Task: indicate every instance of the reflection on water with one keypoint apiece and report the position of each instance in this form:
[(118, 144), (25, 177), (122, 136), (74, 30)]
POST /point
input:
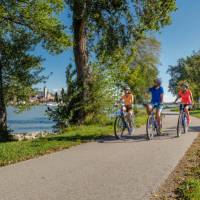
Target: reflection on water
[(32, 120)]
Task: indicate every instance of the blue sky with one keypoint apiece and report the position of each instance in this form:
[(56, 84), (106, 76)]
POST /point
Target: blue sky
[(177, 40), (181, 38)]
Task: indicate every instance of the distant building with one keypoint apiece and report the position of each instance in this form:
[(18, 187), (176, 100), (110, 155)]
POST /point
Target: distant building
[(43, 96)]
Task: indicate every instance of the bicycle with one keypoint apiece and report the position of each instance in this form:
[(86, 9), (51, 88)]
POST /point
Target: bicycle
[(182, 125), (152, 127), (121, 123)]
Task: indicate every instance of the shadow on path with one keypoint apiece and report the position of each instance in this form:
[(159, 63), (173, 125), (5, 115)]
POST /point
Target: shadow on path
[(194, 128), (168, 133)]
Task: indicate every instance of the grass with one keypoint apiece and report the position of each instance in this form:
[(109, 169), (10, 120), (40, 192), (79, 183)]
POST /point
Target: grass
[(190, 189), (195, 113), (141, 118), (12, 152), (175, 109)]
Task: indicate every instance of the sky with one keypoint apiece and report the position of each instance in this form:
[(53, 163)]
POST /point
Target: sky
[(178, 40)]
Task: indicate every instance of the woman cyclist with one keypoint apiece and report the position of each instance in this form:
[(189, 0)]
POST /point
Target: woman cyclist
[(186, 99), (128, 99)]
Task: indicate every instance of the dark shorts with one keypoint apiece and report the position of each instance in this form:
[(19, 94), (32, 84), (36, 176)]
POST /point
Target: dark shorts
[(129, 108), (182, 106), (158, 107)]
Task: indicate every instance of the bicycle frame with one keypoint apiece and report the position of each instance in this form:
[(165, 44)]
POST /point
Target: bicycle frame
[(121, 114), (183, 114), (182, 121), (155, 123), (152, 126)]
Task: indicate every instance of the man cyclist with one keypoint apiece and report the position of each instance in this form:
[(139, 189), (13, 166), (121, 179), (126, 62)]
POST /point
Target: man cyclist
[(186, 99), (128, 100), (157, 94)]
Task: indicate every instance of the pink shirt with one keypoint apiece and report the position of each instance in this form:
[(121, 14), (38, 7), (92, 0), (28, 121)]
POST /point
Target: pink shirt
[(185, 97)]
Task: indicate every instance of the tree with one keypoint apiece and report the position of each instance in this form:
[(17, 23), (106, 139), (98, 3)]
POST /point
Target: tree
[(23, 25), (66, 111), (19, 70), (188, 70), (56, 97), (102, 26), (40, 18), (143, 68), (136, 68)]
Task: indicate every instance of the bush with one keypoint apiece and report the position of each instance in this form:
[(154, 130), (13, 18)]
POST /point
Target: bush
[(100, 119)]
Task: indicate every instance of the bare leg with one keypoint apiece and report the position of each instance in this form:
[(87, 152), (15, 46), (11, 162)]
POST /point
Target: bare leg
[(188, 114), (129, 118), (158, 118), (149, 109)]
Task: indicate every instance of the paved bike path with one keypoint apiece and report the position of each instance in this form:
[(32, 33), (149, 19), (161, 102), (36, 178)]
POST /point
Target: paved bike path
[(108, 169)]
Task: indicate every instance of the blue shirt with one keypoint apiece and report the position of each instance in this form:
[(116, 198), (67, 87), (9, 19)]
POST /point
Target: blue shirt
[(155, 94)]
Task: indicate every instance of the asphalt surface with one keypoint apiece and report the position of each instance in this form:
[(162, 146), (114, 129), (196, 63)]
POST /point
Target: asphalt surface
[(129, 169)]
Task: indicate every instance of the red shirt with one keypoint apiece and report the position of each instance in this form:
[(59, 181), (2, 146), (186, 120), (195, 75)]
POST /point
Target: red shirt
[(185, 96)]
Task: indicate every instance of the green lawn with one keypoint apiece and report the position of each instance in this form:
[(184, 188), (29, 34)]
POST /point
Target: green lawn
[(195, 113), (12, 152), (190, 189)]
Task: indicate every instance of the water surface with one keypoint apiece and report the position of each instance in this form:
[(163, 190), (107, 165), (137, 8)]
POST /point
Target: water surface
[(33, 120)]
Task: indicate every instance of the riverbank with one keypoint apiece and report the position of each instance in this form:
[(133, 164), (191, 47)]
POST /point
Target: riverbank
[(12, 152)]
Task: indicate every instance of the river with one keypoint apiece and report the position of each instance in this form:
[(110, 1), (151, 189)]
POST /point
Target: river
[(33, 120)]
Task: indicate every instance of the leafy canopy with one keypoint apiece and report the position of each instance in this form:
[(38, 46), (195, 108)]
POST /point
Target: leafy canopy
[(114, 23), (40, 18), (188, 70)]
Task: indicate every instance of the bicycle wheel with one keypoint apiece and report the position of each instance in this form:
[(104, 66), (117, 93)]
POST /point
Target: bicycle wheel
[(119, 127), (150, 128), (179, 126), (158, 130), (185, 124)]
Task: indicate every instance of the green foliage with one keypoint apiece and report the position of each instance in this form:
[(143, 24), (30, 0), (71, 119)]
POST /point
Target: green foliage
[(187, 69), (137, 68), (65, 113), (143, 69), (56, 97), (107, 30), (190, 189), (114, 24), (37, 17), (100, 119), (101, 92), (20, 69), (23, 25)]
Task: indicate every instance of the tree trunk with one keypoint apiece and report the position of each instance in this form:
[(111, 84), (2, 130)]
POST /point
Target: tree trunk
[(81, 56), (3, 114)]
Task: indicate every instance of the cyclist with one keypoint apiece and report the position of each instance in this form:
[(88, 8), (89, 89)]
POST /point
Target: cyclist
[(157, 94), (128, 100), (186, 99)]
